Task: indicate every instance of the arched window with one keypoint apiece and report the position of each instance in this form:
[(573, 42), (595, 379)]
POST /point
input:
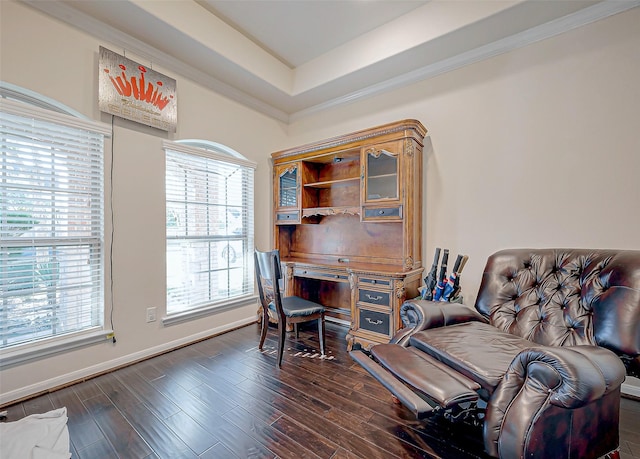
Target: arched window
[(209, 227), (51, 222)]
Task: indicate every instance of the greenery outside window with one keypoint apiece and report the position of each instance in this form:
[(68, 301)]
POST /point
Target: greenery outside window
[(51, 224)]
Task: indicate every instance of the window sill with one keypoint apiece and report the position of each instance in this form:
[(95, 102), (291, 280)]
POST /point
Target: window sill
[(27, 352), (208, 310)]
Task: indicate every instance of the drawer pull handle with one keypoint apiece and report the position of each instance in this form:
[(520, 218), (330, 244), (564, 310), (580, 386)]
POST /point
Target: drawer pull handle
[(373, 322), (381, 212), (373, 298)]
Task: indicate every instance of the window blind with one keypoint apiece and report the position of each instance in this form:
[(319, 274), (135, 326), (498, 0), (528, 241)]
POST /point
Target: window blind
[(51, 224), (209, 228)]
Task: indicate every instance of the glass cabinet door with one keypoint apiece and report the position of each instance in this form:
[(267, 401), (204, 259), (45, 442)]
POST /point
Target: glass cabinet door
[(288, 186), (381, 175)]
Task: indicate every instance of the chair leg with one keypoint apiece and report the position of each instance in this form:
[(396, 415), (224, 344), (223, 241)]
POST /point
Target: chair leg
[(295, 328), (265, 328), (321, 334), (282, 335)]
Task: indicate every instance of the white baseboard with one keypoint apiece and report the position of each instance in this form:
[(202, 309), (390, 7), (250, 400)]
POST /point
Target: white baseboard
[(631, 386), (6, 398), (337, 321)]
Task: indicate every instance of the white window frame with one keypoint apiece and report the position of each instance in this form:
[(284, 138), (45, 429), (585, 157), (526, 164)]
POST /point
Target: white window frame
[(205, 150), (12, 102)]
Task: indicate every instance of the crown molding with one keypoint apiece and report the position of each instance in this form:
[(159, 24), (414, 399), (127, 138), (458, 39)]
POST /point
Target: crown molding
[(122, 40), (117, 38), (550, 29)]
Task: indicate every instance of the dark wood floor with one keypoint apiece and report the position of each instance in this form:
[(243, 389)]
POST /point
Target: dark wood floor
[(222, 398)]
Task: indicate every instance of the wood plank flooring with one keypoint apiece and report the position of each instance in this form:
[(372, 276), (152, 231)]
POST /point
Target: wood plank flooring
[(222, 398)]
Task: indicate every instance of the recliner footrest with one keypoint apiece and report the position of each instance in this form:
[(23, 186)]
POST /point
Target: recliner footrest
[(407, 397), (426, 375)]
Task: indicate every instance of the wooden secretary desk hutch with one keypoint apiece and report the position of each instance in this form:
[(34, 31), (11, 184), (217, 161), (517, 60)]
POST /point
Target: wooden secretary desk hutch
[(348, 224)]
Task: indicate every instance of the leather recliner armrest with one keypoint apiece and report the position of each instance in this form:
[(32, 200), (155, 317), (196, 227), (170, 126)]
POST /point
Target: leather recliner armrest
[(539, 379), (417, 315)]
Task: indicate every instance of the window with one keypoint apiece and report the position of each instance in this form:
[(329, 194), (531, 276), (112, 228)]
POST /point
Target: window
[(209, 210), (51, 224)]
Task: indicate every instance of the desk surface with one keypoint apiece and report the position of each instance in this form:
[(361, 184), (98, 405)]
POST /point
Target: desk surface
[(346, 266), (352, 292)]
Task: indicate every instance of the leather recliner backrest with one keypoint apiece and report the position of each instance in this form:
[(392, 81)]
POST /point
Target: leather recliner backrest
[(565, 297)]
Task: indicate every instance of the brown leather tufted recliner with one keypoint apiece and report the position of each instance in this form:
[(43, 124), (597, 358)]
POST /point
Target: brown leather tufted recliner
[(538, 362)]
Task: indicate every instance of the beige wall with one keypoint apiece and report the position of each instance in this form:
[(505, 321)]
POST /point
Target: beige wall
[(53, 59), (538, 147), (534, 148)]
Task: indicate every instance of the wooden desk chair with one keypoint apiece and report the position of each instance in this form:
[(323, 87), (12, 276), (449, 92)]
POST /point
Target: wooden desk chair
[(289, 309)]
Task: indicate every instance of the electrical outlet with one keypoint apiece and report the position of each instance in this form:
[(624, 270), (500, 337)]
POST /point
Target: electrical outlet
[(151, 314)]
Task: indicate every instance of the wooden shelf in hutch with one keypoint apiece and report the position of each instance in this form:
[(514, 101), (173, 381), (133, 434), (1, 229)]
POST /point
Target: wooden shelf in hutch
[(334, 183)]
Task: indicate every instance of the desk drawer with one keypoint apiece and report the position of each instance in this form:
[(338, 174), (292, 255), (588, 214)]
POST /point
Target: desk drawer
[(382, 213), (287, 218), (377, 282), (314, 274), (374, 321), (374, 297)]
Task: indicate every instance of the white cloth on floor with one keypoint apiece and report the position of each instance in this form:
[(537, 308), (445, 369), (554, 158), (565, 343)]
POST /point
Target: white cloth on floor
[(39, 436)]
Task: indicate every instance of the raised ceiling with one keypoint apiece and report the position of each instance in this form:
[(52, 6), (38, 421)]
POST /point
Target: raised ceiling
[(290, 58)]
